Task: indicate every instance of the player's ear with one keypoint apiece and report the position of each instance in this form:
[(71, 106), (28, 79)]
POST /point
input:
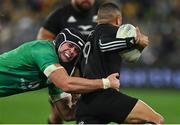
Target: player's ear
[(118, 20)]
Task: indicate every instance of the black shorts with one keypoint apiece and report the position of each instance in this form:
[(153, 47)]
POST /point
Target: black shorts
[(104, 106)]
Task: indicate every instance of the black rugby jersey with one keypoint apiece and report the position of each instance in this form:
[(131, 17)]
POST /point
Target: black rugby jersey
[(67, 16), (101, 56)]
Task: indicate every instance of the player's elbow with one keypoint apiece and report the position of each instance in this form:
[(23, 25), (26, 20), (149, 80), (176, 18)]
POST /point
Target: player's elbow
[(161, 119), (157, 118)]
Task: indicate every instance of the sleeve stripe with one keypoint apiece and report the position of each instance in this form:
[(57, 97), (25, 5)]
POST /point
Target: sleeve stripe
[(118, 44), (113, 42), (51, 69), (114, 48), (114, 45)]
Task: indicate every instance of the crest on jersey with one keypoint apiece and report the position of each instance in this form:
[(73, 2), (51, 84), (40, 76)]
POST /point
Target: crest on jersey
[(85, 27)]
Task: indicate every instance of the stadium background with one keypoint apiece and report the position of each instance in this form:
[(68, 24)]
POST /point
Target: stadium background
[(155, 79)]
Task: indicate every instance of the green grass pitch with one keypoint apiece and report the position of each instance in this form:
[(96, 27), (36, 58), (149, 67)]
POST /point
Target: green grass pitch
[(33, 107)]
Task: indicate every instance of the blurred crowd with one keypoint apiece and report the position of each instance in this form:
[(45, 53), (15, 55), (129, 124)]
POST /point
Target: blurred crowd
[(20, 21), (159, 19)]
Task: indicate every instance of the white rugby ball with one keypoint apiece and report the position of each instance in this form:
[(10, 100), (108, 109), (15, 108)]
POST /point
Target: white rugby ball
[(124, 31)]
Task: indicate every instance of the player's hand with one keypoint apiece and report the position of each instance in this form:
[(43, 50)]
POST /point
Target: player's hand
[(75, 98), (141, 39), (114, 80)]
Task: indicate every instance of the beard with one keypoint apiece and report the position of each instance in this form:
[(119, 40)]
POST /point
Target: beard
[(84, 7)]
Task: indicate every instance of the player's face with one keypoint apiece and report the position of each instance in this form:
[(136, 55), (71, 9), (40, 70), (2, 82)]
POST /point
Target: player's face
[(68, 51), (84, 5)]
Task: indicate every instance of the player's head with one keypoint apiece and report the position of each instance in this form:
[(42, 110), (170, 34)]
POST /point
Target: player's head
[(68, 44), (109, 13), (83, 5)]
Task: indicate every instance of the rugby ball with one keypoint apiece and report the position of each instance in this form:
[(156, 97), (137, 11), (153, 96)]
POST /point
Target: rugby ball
[(130, 55)]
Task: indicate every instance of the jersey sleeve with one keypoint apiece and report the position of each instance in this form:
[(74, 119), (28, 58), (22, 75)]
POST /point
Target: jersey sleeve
[(53, 22), (44, 55), (110, 44), (108, 41)]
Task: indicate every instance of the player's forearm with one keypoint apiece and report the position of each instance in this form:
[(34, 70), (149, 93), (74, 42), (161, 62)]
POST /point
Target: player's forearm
[(81, 85)]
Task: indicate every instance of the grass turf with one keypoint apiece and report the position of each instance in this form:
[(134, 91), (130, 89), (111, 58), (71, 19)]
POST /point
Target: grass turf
[(33, 107)]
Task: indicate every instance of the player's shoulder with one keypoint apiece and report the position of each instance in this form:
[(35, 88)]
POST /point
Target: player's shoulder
[(41, 43), (105, 30), (63, 8), (63, 13), (42, 47)]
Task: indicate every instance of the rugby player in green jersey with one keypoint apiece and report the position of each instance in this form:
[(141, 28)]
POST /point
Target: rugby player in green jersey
[(31, 65)]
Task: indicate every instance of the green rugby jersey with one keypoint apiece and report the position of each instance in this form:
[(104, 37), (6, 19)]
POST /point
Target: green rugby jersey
[(21, 69)]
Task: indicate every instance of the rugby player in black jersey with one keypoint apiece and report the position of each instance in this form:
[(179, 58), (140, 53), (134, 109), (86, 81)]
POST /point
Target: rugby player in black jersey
[(101, 57), (79, 14)]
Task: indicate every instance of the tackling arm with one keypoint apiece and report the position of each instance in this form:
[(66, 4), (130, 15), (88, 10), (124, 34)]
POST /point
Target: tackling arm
[(80, 85)]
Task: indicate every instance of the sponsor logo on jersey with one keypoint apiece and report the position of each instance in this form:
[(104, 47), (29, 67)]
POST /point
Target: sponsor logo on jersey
[(31, 85), (71, 19)]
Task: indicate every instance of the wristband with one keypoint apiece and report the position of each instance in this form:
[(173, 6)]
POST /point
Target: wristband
[(106, 83), (64, 95)]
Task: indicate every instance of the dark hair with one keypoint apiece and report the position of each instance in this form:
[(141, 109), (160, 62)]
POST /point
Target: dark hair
[(113, 5), (108, 11)]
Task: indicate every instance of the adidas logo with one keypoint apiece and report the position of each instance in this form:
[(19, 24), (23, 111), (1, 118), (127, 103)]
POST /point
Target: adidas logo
[(71, 19), (131, 41)]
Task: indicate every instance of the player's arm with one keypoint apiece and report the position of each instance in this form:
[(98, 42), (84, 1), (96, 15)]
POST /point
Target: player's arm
[(45, 34), (113, 44), (63, 106), (58, 75), (51, 26), (122, 42)]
